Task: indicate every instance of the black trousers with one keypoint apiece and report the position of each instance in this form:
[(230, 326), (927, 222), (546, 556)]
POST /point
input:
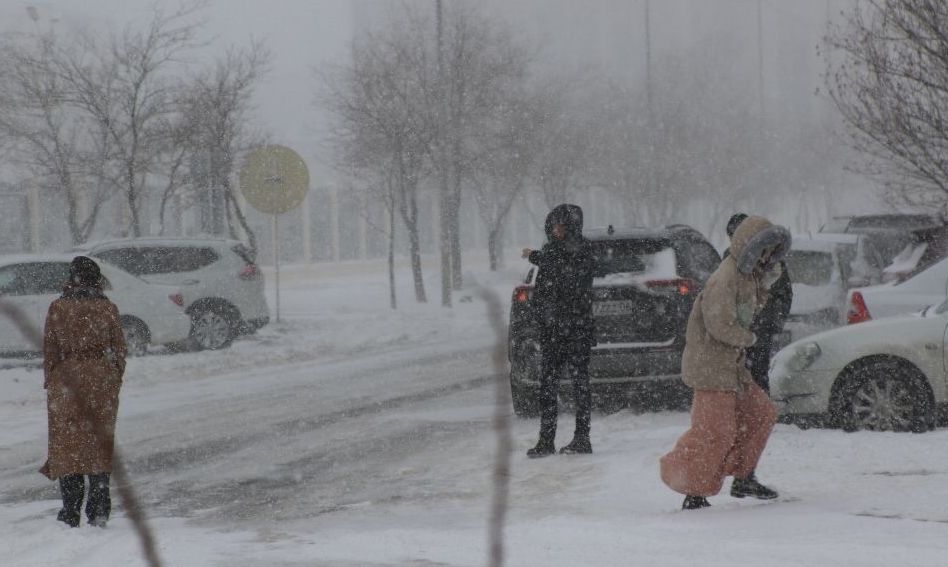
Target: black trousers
[(758, 361), (572, 358), (99, 504)]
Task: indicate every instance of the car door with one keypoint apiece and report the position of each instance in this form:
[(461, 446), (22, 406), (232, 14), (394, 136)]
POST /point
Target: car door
[(11, 337), (33, 287)]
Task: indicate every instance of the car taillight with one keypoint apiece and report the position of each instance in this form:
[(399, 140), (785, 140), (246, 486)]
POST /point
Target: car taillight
[(858, 312), (249, 272), (177, 299), (522, 293), (681, 286)]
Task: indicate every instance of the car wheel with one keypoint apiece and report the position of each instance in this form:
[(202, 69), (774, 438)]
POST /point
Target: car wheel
[(212, 328), (525, 369), (136, 337), (885, 396)]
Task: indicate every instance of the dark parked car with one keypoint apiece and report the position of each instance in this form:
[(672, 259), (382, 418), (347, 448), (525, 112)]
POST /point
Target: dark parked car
[(889, 233), (928, 246), (646, 282)]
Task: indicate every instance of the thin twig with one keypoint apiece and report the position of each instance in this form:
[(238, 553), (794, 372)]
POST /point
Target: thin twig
[(501, 424)]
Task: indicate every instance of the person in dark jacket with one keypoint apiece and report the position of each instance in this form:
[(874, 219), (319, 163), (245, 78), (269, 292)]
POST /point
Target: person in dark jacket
[(83, 363), (562, 305), (769, 322)]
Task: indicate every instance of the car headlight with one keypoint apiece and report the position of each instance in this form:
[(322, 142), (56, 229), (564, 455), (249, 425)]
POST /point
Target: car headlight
[(804, 356)]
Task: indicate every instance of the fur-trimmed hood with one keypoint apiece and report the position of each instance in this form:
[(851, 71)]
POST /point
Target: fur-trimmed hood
[(753, 236)]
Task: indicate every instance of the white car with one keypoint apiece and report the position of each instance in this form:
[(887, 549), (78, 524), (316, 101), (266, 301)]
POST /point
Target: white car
[(928, 287), (222, 285), (822, 268), (888, 374), (150, 313)]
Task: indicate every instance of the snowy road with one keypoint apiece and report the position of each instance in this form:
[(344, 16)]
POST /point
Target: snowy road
[(286, 441), (352, 435)]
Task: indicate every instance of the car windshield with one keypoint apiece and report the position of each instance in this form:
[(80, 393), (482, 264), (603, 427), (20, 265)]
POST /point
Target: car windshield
[(810, 267), (633, 256)]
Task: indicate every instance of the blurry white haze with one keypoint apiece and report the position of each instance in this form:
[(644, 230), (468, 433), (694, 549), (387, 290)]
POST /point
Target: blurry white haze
[(736, 122), (352, 433)]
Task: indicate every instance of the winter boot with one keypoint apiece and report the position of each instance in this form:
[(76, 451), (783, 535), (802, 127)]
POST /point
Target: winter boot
[(750, 487), (542, 449), (99, 504), (578, 446), (68, 517), (695, 503), (72, 488)]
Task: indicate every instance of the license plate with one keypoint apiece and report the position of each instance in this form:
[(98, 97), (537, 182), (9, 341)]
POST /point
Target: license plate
[(613, 308)]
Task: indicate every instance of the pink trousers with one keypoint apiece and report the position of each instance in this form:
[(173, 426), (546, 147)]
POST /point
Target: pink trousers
[(729, 431)]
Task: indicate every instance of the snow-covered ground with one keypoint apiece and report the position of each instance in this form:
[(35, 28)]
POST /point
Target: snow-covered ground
[(349, 434)]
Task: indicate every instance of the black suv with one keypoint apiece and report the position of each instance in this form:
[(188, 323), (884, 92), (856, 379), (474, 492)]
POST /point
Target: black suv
[(645, 284)]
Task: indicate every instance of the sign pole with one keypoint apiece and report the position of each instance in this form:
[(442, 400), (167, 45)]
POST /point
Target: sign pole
[(274, 180), (276, 261)]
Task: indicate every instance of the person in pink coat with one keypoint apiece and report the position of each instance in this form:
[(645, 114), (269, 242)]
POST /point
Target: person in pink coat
[(731, 416)]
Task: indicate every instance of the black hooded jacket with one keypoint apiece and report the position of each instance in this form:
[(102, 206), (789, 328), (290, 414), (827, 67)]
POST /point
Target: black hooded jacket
[(562, 300)]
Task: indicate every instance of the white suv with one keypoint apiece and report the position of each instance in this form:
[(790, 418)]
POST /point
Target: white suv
[(221, 283), (150, 313)]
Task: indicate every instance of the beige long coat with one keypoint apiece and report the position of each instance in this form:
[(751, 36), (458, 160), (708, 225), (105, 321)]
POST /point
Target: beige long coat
[(718, 330), (84, 360)]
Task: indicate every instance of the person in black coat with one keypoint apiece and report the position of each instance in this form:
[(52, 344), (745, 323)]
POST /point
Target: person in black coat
[(562, 305), (769, 322)]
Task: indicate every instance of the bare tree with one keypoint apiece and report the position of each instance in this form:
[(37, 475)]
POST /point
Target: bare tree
[(569, 140), (127, 85), (213, 127), (479, 59), (377, 105), (502, 166), (63, 150), (888, 76)]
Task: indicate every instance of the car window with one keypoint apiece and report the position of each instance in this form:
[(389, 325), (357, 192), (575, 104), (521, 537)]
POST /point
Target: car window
[(809, 267), (129, 259), (34, 278), (836, 225), (617, 258), (171, 260), (7, 279), (652, 256), (152, 260), (700, 258)]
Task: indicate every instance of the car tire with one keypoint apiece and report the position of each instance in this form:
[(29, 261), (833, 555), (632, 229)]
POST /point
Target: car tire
[(212, 327), (884, 395), (524, 401), (525, 380), (136, 336)]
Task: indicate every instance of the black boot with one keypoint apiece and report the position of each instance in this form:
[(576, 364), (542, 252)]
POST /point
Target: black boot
[(68, 517), (72, 488), (580, 445), (542, 449), (750, 487), (99, 505), (695, 503)]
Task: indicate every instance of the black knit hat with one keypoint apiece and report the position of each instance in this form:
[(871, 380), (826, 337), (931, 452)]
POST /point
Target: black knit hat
[(83, 271), (734, 222)]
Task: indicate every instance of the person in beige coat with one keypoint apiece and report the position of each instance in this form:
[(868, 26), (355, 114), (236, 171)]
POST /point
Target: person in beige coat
[(731, 416), (83, 362)]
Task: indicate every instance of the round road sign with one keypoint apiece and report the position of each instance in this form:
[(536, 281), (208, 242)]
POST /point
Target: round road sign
[(274, 179)]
